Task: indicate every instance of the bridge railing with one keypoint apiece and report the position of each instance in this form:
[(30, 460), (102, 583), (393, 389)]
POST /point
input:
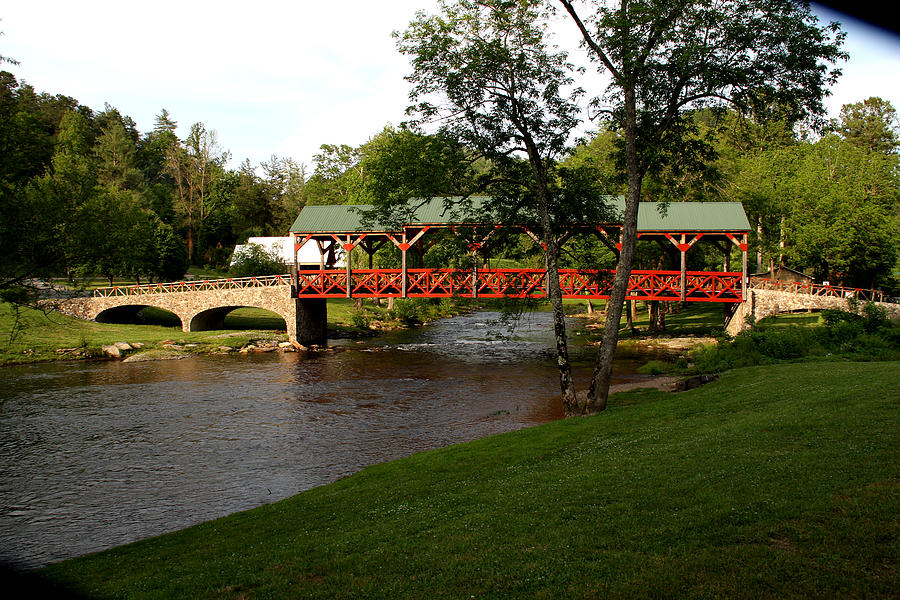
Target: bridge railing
[(194, 286), (699, 286), (812, 289)]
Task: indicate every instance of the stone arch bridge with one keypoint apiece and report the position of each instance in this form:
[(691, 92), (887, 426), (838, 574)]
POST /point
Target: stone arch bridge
[(768, 298), (203, 305)]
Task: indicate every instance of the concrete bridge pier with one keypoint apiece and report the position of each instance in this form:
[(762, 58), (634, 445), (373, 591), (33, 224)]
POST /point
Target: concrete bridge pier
[(310, 322)]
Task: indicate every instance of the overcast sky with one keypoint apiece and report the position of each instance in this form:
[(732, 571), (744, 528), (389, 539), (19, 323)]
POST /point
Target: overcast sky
[(275, 77)]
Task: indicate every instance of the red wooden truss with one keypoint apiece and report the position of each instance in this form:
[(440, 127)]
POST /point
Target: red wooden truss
[(698, 286)]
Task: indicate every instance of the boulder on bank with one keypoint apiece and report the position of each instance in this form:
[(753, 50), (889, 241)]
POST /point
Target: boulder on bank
[(119, 349), (112, 350)]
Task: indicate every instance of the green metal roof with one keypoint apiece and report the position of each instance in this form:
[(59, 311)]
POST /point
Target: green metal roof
[(677, 217), (348, 218), (690, 216), (328, 218)]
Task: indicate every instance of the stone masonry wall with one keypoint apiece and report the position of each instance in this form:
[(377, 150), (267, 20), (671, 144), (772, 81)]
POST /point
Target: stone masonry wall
[(188, 305), (765, 303)]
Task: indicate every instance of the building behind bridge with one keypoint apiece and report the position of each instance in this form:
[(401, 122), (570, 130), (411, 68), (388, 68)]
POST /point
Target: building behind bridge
[(307, 257)]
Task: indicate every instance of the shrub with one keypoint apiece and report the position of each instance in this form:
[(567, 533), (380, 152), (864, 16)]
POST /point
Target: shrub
[(867, 335), (360, 320)]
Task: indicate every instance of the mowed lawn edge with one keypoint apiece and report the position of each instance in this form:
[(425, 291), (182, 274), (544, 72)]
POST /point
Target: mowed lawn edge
[(777, 481)]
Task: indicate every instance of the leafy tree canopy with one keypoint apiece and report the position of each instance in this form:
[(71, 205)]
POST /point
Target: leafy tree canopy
[(871, 124)]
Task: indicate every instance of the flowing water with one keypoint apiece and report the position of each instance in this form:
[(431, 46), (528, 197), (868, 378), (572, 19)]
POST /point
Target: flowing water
[(97, 454)]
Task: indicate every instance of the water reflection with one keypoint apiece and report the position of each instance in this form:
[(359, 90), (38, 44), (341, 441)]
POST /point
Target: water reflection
[(99, 454)]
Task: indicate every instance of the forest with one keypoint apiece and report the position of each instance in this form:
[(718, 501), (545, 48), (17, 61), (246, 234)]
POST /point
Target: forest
[(83, 193)]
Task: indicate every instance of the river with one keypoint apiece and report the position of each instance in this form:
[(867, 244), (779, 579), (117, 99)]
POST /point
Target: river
[(97, 454)]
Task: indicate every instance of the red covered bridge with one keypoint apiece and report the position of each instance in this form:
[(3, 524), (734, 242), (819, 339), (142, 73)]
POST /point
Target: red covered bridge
[(683, 224), (301, 299)]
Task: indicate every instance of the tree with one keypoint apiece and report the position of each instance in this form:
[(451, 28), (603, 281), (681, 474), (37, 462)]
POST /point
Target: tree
[(193, 167), (251, 207), (843, 222), (337, 176), (285, 180), (482, 69), (170, 253), (115, 236), (764, 183), (400, 163), (871, 124), (254, 260), (116, 161), (666, 57)]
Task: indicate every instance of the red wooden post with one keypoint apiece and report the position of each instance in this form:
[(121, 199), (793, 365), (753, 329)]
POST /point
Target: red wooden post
[(403, 248), (295, 277), (348, 248), (744, 267), (474, 270), (683, 275)]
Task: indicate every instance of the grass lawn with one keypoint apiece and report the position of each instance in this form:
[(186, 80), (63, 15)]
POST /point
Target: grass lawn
[(789, 319), (41, 336), (696, 319), (773, 482), (38, 336)]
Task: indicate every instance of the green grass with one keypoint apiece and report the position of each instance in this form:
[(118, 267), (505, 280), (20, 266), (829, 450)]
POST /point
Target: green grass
[(37, 336), (40, 336), (773, 482), (696, 319), (789, 319)]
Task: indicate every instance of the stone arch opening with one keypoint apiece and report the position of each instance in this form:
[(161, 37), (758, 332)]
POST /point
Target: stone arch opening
[(153, 315), (238, 318), (138, 314)]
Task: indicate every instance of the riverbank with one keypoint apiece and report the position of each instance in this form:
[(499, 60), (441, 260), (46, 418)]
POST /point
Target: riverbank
[(30, 336), (33, 336), (773, 482)]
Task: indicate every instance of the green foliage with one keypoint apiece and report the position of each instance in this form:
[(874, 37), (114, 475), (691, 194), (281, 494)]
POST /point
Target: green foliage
[(870, 124), (254, 260), (416, 311), (361, 320), (868, 335), (171, 260), (400, 164), (657, 367), (842, 221)]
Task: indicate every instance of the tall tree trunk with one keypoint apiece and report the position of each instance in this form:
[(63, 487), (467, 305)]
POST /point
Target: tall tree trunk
[(598, 394), (554, 294), (781, 243), (653, 315), (759, 248)]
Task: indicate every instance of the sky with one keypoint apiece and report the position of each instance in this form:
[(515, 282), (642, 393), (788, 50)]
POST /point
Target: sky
[(275, 77)]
